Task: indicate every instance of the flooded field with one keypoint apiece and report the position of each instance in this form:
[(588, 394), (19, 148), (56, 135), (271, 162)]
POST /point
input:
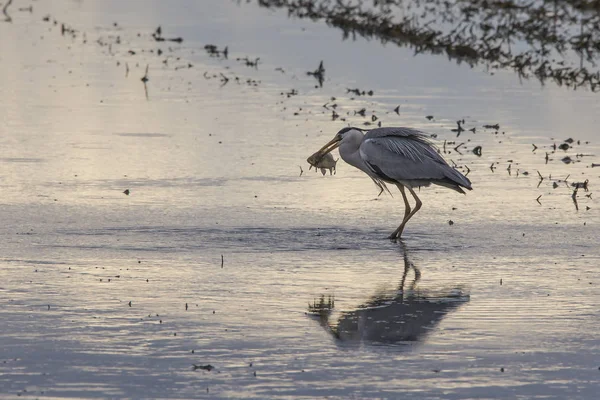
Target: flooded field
[(163, 236)]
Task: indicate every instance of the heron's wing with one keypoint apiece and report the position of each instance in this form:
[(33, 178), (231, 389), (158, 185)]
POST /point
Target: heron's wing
[(407, 157)]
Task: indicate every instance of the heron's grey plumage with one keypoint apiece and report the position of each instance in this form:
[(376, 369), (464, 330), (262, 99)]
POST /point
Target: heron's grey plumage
[(402, 156), (406, 156), (399, 131)]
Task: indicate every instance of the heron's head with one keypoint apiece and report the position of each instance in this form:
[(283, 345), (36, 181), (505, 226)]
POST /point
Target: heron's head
[(343, 135)]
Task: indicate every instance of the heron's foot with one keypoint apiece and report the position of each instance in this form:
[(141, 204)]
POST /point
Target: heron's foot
[(395, 236)]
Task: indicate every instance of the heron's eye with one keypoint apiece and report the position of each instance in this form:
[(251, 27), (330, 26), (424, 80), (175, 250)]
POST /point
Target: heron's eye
[(343, 132)]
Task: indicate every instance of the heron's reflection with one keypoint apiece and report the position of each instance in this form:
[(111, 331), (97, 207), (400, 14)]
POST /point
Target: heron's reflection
[(404, 315)]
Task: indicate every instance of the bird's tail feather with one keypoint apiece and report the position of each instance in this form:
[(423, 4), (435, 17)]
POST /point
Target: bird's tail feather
[(382, 186), (456, 178), (450, 184)]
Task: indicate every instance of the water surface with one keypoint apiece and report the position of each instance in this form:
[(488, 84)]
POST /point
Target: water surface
[(221, 245)]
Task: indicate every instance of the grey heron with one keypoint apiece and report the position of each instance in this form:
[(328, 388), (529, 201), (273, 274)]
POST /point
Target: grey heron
[(404, 157)]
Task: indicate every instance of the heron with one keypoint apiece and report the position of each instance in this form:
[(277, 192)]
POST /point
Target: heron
[(400, 156)]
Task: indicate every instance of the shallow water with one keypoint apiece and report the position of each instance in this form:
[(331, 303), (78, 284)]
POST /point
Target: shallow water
[(502, 303)]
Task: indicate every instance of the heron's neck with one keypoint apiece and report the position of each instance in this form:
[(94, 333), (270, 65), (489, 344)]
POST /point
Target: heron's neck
[(350, 154)]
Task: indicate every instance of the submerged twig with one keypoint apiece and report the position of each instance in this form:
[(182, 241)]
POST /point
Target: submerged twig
[(5, 11), (206, 367), (145, 79), (541, 179)]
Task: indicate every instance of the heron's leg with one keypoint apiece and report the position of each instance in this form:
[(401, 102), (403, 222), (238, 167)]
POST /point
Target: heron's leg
[(407, 211), (418, 205)]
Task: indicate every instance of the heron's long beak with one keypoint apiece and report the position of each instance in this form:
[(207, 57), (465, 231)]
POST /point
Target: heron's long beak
[(329, 147)]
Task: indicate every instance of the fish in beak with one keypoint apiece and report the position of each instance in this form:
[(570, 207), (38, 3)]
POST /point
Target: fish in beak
[(316, 159)]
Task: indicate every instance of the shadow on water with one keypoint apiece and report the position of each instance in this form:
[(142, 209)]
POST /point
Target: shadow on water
[(400, 317), (547, 39)]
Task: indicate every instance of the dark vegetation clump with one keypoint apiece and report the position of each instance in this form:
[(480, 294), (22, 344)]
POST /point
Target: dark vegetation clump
[(549, 40)]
